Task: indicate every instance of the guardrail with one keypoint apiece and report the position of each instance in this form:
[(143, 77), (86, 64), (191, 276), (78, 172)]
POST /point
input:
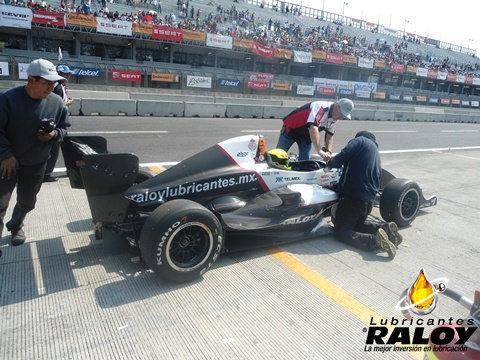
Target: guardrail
[(245, 108)]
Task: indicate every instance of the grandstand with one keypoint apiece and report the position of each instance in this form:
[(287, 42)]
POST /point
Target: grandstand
[(363, 53)]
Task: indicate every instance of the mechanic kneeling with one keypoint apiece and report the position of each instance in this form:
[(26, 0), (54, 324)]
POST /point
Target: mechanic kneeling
[(357, 188)]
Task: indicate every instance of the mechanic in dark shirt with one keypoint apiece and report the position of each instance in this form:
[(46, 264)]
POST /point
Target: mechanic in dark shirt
[(357, 188), (303, 126), (27, 116)]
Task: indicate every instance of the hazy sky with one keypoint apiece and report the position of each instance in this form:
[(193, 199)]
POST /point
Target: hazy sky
[(455, 22)]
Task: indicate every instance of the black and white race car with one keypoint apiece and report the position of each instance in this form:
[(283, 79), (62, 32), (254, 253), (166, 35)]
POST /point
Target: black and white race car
[(228, 197)]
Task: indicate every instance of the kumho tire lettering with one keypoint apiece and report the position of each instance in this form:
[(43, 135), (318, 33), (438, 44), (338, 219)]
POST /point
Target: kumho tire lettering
[(181, 240)]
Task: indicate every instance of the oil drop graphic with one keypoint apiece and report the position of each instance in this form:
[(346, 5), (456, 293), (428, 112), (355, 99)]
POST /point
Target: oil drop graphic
[(422, 295)]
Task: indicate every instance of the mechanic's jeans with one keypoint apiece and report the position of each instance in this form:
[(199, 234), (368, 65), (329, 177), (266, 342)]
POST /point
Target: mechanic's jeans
[(351, 226), (285, 142), (28, 181)]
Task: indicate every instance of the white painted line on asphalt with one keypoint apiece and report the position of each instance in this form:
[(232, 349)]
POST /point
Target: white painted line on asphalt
[(37, 269), (458, 131), (260, 131), (394, 131), (118, 132)]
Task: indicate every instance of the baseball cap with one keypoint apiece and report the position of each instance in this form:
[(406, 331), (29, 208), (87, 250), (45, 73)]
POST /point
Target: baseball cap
[(64, 69), (346, 107), (45, 69), (368, 135)]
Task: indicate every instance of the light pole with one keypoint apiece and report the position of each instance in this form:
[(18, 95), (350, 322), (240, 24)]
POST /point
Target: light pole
[(405, 28), (343, 11)]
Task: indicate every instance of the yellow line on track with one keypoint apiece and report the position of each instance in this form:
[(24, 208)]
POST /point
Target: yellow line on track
[(340, 297)]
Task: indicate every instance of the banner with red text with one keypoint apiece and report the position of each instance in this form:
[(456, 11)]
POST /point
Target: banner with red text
[(126, 75), (118, 27), (167, 33), (261, 50), (48, 18)]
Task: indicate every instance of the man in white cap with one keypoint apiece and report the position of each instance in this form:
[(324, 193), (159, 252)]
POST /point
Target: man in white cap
[(61, 90), (31, 119), (304, 124)]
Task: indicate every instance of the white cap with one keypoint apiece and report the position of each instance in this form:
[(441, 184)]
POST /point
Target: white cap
[(346, 106), (45, 69)]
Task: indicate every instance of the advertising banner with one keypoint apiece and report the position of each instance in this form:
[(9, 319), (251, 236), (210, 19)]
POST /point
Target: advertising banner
[(350, 59), (243, 43), (117, 27), (334, 58), (261, 77), (261, 50), (142, 28), (411, 69), (167, 33), (326, 91), (257, 85), (91, 72), (442, 74), (305, 90), (445, 101), (422, 72), (219, 41), (342, 91), (460, 78), (421, 98), (382, 64), (22, 71), (228, 82), (397, 68), (365, 63), (16, 16), (432, 74), (379, 95), (282, 87), (49, 18), (282, 53), (194, 35), (394, 97), (4, 69), (433, 100), (455, 102), (172, 78), (302, 56), (126, 75), (199, 81), (407, 98), (318, 54), (81, 19), (451, 77), (469, 79), (465, 103), (474, 103)]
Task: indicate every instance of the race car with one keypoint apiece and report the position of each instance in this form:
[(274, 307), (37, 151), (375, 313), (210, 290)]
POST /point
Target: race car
[(231, 196)]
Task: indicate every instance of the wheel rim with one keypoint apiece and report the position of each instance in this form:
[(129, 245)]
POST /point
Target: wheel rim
[(189, 246), (410, 203)]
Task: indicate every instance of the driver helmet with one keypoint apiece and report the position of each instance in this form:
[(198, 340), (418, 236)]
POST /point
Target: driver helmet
[(280, 158)]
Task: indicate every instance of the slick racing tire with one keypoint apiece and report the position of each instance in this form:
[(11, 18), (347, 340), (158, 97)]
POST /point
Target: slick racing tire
[(181, 240), (400, 201)]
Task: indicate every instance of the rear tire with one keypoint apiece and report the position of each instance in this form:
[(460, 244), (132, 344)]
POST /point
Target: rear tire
[(181, 240), (400, 201)]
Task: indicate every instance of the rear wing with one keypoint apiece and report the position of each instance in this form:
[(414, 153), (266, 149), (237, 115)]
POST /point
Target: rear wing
[(105, 176)]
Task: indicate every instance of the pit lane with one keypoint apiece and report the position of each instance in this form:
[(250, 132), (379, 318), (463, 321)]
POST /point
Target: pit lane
[(63, 297)]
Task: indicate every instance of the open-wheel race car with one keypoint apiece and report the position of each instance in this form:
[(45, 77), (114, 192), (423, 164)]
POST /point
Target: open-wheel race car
[(228, 197)]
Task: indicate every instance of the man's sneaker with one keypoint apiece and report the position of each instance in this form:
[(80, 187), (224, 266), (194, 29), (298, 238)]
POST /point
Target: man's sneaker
[(18, 237), (383, 243), (50, 178), (393, 235)]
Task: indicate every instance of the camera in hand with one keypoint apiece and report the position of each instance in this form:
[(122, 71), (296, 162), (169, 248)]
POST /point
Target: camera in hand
[(47, 126)]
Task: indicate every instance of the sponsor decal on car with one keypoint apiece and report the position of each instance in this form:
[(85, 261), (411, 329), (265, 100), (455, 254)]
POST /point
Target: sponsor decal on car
[(192, 189)]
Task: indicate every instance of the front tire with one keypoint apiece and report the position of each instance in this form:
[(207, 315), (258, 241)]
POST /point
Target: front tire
[(181, 240), (400, 201)]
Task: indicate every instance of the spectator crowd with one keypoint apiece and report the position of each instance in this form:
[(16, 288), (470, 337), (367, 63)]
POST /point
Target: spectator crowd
[(272, 33)]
